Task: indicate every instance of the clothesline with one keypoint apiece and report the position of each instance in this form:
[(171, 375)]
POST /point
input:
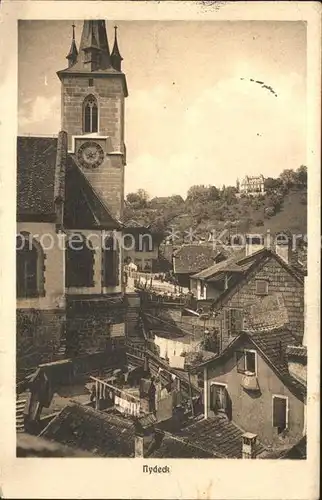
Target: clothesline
[(116, 389)]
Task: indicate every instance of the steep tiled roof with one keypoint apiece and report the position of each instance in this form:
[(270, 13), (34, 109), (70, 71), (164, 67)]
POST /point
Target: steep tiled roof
[(256, 260), (193, 258), (299, 351), (36, 162), (174, 447), (218, 436), (298, 451), (102, 434), (230, 264), (273, 344), (35, 446), (83, 206)]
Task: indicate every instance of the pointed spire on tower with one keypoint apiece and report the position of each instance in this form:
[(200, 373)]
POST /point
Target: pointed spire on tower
[(116, 57), (94, 46), (73, 52)]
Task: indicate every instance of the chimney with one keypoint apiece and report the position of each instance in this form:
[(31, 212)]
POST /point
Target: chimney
[(254, 243), (143, 439), (283, 248), (249, 445)]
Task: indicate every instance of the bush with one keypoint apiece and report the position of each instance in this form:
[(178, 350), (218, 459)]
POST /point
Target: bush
[(269, 211)]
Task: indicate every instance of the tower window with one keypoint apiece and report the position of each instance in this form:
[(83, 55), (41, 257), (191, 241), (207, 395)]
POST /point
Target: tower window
[(90, 114), (91, 82)]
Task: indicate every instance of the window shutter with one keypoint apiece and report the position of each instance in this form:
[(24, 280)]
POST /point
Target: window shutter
[(213, 398), (240, 361), (223, 395), (279, 412)]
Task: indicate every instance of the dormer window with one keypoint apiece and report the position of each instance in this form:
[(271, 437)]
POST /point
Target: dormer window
[(90, 115), (246, 362)]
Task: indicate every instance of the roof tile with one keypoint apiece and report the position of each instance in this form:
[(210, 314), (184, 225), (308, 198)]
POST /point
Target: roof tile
[(36, 162)]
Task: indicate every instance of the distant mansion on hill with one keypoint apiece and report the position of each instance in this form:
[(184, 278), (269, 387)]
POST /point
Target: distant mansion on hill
[(251, 186)]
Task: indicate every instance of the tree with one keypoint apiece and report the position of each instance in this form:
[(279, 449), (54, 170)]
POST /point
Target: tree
[(143, 194), (301, 175), (213, 193), (138, 199), (198, 193), (288, 177), (271, 184), (229, 194), (269, 211)]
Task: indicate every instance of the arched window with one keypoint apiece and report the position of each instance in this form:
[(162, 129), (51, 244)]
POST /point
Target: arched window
[(29, 266), (79, 262), (90, 115), (111, 274)]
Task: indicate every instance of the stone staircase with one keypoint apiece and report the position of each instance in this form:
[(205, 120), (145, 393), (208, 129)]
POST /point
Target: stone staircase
[(20, 407)]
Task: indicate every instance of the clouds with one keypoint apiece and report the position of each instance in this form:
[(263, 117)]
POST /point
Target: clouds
[(36, 115)]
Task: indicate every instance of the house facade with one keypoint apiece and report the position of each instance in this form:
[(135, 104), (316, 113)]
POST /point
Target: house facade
[(141, 246), (254, 292), (251, 185), (69, 207), (251, 384)]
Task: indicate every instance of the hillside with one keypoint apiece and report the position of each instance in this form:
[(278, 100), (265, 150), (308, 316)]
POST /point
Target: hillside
[(210, 210)]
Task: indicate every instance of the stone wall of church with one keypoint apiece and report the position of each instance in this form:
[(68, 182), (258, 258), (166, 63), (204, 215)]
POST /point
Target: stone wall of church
[(110, 96), (93, 325), (95, 238), (108, 178), (108, 182), (54, 266), (38, 336)]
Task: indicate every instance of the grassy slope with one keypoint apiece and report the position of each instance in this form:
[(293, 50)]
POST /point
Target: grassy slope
[(292, 216)]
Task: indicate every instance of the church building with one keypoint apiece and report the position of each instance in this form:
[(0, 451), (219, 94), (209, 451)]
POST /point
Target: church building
[(70, 195)]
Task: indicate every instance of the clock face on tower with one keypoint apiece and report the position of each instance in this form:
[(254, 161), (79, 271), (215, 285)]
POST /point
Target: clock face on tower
[(90, 154)]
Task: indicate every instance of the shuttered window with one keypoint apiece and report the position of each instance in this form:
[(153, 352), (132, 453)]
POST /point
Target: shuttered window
[(280, 413), (218, 398), (233, 321)]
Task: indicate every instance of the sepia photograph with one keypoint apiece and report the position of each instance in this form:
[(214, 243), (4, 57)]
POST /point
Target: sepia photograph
[(159, 214), (160, 272)]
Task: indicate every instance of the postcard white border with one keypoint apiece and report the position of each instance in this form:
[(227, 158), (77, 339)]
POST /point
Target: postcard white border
[(123, 478)]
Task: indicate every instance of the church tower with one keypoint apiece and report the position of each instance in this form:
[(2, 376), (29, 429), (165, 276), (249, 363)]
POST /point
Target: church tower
[(93, 92)]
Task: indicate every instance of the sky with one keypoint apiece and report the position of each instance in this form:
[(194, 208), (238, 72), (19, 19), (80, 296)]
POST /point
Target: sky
[(192, 116)]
